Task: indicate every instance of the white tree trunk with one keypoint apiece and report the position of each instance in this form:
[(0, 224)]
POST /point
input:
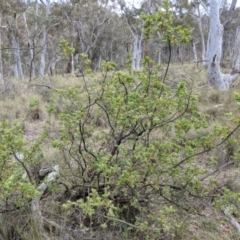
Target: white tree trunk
[(201, 34), (19, 62), (215, 76), (44, 43), (195, 58), (43, 54), (15, 39), (137, 52), (137, 36), (17, 66), (208, 42), (35, 30)]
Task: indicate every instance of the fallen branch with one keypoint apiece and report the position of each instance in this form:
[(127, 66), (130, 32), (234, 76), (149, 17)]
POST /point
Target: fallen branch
[(234, 222), (35, 205)]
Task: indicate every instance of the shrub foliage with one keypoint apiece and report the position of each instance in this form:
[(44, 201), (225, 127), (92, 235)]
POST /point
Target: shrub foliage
[(128, 153)]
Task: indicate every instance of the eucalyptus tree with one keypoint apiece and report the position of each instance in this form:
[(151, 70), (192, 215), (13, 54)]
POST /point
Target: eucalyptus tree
[(160, 50), (88, 25), (216, 77), (44, 20), (46, 4), (198, 15), (229, 35), (131, 15), (14, 34), (5, 10), (17, 19), (31, 49)]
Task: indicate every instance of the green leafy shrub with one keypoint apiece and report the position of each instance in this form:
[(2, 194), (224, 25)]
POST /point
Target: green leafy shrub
[(138, 168), (17, 183)]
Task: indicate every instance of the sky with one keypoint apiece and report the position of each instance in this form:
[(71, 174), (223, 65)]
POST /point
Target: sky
[(136, 2)]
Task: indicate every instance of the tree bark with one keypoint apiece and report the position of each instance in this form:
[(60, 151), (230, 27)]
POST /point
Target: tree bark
[(215, 76)]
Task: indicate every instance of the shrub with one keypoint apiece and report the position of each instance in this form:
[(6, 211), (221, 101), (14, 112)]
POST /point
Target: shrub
[(139, 169)]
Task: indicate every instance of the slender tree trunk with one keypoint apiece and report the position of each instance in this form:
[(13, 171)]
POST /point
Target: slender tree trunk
[(14, 39), (19, 61), (44, 43), (215, 76), (99, 62), (137, 51), (31, 63), (14, 55), (180, 54), (137, 45), (43, 54), (159, 56), (207, 52), (195, 58), (204, 55), (35, 34)]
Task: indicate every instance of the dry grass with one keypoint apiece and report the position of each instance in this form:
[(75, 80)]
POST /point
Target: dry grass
[(207, 226)]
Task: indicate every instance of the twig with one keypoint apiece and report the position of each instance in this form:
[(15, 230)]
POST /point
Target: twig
[(216, 170)]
